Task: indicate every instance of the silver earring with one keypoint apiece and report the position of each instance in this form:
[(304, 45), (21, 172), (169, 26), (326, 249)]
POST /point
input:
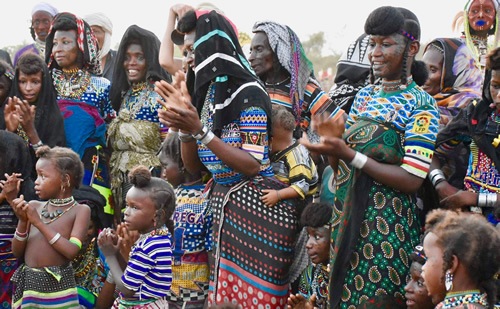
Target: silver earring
[(448, 280)]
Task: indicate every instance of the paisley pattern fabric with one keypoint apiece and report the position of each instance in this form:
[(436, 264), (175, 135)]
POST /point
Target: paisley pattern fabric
[(375, 232)]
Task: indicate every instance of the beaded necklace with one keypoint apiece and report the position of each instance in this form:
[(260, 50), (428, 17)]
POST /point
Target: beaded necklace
[(71, 83), (390, 86), (319, 284), (134, 100), (53, 215), (456, 299), (159, 231), (62, 202), (85, 261)]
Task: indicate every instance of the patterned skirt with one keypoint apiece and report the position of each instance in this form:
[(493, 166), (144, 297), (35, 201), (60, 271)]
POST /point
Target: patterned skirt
[(121, 303), (253, 245), (48, 287), (377, 228), (8, 265)]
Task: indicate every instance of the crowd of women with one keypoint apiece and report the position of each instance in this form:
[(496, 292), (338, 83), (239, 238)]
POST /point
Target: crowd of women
[(221, 180)]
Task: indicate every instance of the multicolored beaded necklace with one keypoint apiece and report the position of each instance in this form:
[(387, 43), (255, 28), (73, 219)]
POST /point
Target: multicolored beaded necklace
[(319, 284), (134, 100), (71, 83), (159, 231), (456, 299)]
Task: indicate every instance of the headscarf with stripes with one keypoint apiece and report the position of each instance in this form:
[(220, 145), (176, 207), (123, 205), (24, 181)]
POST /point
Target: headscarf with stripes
[(220, 59), (86, 41), (286, 45)]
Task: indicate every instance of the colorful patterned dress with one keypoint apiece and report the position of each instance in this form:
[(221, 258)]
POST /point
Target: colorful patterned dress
[(378, 227)]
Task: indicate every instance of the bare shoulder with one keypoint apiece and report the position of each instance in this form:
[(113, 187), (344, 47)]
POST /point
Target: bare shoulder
[(36, 204), (82, 208)]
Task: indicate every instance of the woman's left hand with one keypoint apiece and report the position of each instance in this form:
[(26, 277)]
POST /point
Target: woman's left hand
[(26, 114)]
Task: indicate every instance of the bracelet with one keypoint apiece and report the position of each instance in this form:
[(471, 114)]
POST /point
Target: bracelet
[(19, 237), (21, 234), (185, 137), (278, 194), (207, 138), (436, 176), (54, 239), (76, 242), (359, 160), (201, 134), (37, 145), (487, 200)]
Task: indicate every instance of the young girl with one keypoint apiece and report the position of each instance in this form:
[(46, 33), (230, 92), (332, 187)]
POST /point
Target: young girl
[(416, 293), (48, 235), (193, 230), (144, 281), (463, 258), (314, 279)]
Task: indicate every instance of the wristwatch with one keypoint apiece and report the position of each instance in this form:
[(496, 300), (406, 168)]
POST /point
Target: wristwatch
[(201, 134)]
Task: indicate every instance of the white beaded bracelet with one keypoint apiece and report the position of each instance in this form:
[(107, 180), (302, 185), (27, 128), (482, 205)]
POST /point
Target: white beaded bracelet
[(359, 160), (54, 239)]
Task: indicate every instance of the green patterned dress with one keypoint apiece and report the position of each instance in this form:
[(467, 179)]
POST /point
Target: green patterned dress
[(376, 226)]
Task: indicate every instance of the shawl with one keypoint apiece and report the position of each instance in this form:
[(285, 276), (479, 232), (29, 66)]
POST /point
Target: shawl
[(474, 121), (461, 79), (353, 69), (220, 59), (101, 20), (286, 45), (86, 41), (49, 122), (151, 48)]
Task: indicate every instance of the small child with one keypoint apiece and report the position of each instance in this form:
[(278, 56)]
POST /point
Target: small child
[(193, 230), (314, 279), (147, 277), (54, 228), (416, 293), (292, 164), (463, 259)]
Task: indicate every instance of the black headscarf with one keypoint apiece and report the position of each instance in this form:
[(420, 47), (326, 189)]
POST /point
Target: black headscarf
[(151, 48), (220, 59), (474, 121), (49, 122)]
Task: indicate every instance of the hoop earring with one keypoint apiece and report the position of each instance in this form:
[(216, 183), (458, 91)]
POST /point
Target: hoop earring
[(63, 188), (448, 281)]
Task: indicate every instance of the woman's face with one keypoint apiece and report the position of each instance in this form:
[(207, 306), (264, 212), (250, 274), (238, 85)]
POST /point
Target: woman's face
[(135, 63), (386, 55), (188, 49), (261, 55), (30, 86), (65, 49), (415, 291), (433, 269), (495, 88), (481, 15), (434, 61)]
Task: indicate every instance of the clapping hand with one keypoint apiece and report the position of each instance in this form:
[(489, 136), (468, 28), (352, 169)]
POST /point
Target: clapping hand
[(108, 242), (298, 301)]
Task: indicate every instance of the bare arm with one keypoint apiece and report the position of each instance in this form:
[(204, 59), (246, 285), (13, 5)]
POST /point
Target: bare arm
[(390, 175), (167, 59)]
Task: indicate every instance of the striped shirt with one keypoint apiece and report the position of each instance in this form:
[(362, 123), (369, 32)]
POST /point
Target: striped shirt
[(149, 269)]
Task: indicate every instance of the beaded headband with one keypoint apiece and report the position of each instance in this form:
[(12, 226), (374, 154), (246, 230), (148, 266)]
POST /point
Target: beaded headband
[(408, 35), (419, 251)]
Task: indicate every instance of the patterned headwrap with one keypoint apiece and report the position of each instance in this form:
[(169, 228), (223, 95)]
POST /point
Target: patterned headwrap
[(353, 69), (287, 47), (468, 37), (86, 41), (101, 20), (461, 79), (220, 59)]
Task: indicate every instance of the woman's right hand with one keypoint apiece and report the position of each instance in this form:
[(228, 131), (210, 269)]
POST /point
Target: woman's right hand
[(180, 9), (329, 127)]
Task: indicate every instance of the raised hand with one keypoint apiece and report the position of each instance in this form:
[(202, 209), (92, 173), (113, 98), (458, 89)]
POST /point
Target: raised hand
[(109, 242), (11, 115)]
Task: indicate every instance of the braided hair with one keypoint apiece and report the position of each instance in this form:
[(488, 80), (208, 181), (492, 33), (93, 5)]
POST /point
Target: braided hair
[(388, 20), (159, 191)]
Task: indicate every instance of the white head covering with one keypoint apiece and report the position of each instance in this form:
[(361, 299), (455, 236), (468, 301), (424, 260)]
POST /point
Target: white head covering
[(44, 6), (101, 20)]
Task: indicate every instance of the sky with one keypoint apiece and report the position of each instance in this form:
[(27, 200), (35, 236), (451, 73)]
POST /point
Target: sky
[(341, 21)]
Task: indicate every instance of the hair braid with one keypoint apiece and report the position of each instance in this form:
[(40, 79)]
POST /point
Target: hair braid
[(405, 62)]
